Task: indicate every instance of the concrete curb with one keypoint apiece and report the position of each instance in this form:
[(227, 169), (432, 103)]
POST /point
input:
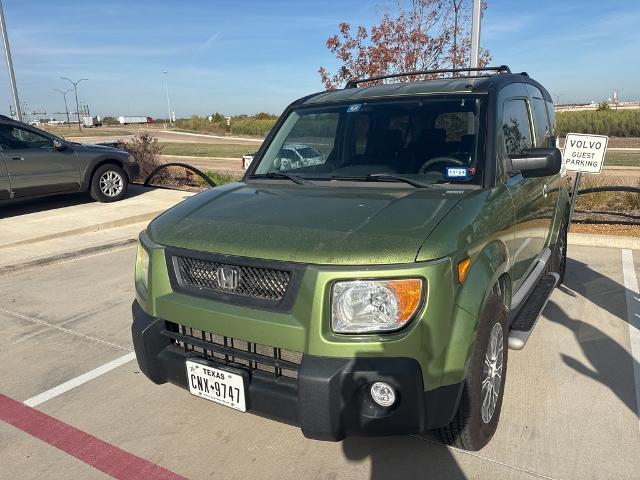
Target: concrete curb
[(62, 257), (606, 241), (121, 222)]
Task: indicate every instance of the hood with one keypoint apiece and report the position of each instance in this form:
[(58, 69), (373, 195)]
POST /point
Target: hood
[(88, 147), (308, 224)]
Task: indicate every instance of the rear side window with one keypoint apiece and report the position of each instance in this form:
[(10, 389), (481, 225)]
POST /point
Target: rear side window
[(516, 128), (542, 128), (552, 121)]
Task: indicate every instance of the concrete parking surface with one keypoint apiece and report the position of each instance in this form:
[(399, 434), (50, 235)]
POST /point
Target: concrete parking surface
[(570, 410), (41, 227)]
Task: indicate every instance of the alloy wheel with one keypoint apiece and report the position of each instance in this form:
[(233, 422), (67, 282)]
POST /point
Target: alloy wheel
[(492, 373), (111, 183)]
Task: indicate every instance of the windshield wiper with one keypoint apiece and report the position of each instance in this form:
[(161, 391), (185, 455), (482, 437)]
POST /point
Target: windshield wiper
[(288, 176), (384, 177), (397, 178)]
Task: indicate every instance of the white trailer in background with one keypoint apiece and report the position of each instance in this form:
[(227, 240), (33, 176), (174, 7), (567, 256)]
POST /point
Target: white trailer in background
[(134, 120), (89, 122)]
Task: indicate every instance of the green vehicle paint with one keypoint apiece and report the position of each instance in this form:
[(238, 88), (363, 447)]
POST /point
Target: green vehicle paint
[(374, 231)]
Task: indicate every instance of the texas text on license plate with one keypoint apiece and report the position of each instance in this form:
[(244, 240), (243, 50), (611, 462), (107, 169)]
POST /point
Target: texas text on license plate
[(220, 386)]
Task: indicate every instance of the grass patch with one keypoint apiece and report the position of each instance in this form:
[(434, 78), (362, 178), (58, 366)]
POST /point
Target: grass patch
[(607, 201), (65, 132), (622, 159), (206, 149), (219, 178), (613, 123)]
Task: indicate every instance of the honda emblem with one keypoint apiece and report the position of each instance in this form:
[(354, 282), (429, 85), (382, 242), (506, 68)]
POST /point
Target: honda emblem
[(227, 277)]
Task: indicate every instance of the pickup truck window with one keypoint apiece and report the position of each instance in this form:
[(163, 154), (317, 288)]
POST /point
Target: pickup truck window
[(427, 140), (516, 127)]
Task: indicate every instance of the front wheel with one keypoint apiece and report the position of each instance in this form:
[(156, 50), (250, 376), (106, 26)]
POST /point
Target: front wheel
[(478, 413), (109, 184)]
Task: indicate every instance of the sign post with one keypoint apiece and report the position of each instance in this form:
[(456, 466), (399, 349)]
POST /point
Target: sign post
[(583, 154)]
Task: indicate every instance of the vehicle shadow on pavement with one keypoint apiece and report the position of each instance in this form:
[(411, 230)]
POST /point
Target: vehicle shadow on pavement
[(599, 289), (608, 362), (22, 207), (403, 457)]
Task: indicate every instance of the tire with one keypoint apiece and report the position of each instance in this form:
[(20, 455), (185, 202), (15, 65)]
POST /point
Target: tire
[(560, 252), (471, 427), (109, 183)]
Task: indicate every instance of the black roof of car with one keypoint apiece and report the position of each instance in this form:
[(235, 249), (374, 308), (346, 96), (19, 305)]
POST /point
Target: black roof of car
[(460, 84)]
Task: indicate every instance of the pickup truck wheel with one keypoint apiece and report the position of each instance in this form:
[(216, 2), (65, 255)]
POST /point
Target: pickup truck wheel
[(109, 184), (479, 410)]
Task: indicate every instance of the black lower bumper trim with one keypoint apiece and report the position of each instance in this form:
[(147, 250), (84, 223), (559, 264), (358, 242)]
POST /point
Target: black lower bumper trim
[(331, 397)]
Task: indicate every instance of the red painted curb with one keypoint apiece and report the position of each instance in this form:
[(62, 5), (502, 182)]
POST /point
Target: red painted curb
[(81, 445)]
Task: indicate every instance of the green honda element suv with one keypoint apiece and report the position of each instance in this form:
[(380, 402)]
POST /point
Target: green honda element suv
[(374, 287)]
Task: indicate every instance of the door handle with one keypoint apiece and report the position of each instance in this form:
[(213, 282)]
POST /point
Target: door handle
[(545, 190), (17, 158)]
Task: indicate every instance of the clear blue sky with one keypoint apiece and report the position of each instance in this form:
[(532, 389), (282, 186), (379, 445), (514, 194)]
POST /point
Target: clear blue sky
[(250, 56)]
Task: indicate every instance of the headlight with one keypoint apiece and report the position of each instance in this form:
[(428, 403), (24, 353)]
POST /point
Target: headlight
[(142, 268), (366, 306), (131, 158)]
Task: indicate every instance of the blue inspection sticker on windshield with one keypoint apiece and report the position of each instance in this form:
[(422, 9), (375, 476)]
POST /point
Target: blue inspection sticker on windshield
[(457, 172), (354, 108)]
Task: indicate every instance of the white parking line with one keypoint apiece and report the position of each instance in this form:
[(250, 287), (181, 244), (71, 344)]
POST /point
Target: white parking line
[(74, 382), (633, 314)]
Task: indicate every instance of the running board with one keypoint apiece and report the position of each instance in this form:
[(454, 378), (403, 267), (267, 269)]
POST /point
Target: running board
[(527, 318)]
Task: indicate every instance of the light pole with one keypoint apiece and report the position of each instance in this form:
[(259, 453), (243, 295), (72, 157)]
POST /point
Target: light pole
[(166, 86), (7, 52), (66, 109), (475, 33), (75, 89)]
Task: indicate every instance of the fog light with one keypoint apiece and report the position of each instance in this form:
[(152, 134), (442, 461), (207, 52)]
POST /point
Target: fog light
[(383, 394)]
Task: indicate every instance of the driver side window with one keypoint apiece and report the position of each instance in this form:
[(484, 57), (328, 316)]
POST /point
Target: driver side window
[(15, 138)]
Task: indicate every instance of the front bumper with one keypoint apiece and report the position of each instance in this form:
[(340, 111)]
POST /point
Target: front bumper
[(330, 398)]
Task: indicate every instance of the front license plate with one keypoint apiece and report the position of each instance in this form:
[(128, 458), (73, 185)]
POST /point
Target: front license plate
[(220, 386)]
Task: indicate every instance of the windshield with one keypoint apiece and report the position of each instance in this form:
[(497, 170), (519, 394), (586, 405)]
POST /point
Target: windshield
[(428, 141)]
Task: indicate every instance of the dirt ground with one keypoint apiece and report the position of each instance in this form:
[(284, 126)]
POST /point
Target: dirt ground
[(606, 229)]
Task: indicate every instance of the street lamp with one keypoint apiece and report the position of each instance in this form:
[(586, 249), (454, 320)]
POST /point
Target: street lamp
[(166, 86), (64, 94), (75, 89), (7, 52)]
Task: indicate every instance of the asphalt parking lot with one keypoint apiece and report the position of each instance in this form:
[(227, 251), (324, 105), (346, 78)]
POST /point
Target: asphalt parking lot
[(570, 410)]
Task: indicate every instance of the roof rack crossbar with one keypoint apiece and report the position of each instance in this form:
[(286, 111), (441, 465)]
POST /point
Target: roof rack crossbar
[(501, 69)]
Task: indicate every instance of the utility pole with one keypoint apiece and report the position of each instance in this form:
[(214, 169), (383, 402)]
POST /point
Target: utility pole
[(7, 52), (66, 109), (166, 86), (75, 89), (475, 33)]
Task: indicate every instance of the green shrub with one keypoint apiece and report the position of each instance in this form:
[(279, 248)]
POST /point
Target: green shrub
[(256, 125), (614, 123)]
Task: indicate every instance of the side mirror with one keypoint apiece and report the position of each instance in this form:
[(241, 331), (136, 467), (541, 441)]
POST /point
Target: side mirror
[(537, 162), (58, 145)]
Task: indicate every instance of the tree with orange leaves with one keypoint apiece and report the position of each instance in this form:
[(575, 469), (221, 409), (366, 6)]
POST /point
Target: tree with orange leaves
[(415, 35)]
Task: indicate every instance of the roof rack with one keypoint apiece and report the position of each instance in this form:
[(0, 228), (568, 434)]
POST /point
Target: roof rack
[(501, 69)]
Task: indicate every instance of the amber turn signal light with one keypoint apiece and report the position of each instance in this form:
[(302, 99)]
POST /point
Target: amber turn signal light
[(463, 269)]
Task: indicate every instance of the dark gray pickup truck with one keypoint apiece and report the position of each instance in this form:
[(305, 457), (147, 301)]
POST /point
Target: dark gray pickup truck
[(36, 163)]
